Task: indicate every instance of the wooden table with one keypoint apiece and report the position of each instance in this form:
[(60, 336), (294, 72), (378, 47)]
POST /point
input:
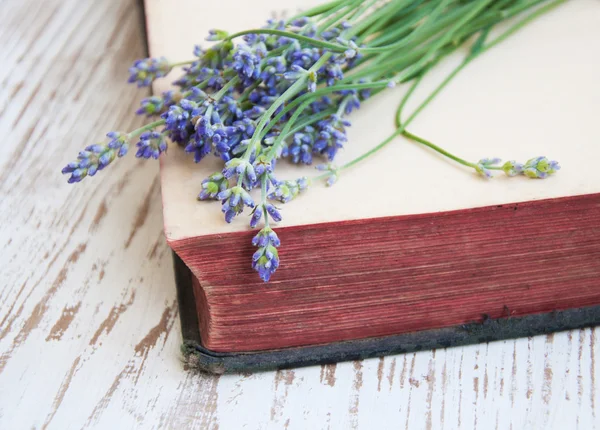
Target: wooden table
[(89, 330)]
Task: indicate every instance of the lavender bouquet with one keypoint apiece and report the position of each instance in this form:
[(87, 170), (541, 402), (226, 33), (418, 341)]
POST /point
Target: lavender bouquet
[(285, 91)]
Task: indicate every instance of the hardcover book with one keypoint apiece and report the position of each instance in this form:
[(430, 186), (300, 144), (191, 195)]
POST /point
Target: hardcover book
[(408, 250)]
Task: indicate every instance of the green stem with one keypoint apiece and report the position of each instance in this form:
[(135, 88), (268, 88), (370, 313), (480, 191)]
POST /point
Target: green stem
[(398, 25), (478, 48), (284, 133), (523, 22), (229, 85), (431, 145), (401, 128), (263, 197), (320, 92), (432, 17), (314, 42), (318, 10), (336, 15), (410, 91), (145, 128), (181, 63)]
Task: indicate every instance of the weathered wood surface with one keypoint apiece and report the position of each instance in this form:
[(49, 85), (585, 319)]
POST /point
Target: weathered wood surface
[(89, 331)]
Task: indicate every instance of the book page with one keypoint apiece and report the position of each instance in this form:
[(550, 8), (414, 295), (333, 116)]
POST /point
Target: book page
[(536, 94)]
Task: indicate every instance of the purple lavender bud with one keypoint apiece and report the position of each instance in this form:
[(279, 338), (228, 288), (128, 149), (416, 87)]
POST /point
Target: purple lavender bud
[(91, 171), (256, 216), (272, 210), (96, 149), (105, 159), (70, 168)]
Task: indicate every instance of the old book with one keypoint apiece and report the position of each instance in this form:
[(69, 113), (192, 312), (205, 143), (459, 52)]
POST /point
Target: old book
[(428, 254)]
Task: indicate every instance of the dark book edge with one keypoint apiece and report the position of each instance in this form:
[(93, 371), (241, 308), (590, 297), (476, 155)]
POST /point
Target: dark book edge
[(485, 330)]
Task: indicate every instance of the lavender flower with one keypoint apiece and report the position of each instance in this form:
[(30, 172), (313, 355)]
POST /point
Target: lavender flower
[(512, 168), (297, 72), (144, 72), (266, 259), (301, 147), (212, 186), (540, 167), (332, 175), (263, 165), (264, 208), (242, 169), (93, 158), (97, 157), (119, 142), (151, 145), (482, 166), (246, 61), (155, 105), (234, 200), (332, 136), (286, 191)]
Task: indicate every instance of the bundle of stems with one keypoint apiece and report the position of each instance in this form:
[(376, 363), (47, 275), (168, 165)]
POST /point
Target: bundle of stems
[(285, 91)]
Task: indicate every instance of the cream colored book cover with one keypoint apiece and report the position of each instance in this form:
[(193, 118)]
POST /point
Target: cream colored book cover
[(537, 93)]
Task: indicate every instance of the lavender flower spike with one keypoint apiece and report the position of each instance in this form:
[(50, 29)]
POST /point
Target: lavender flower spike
[(266, 259), (97, 157), (540, 167)]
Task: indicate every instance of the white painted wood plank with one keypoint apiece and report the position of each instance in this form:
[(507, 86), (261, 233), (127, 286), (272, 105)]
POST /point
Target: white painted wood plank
[(89, 331)]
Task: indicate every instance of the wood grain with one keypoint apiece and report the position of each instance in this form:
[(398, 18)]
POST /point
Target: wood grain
[(89, 335)]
